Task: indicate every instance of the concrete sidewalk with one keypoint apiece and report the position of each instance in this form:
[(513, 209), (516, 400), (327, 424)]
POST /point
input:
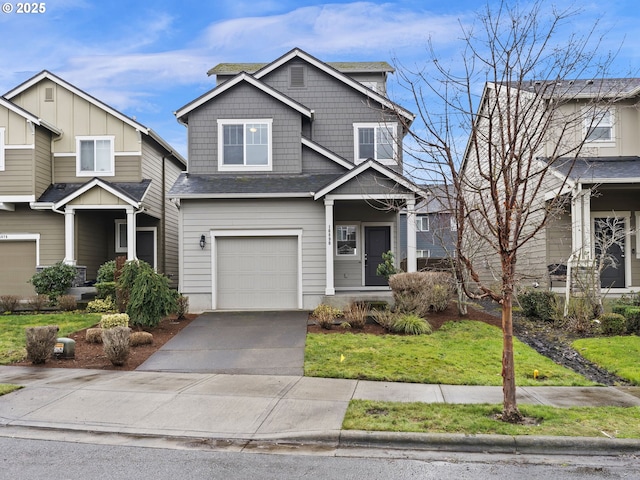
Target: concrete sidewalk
[(272, 408)]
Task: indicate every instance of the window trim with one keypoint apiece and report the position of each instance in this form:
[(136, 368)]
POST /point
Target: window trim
[(390, 126), (95, 173), (420, 223), (590, 124), (2, 150), (453, 223), (244, 167), (117, 246), (418, 250), (356, 252)]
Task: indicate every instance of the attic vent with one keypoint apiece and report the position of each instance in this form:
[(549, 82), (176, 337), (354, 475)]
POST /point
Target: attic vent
[(48, 94), (296, 76)]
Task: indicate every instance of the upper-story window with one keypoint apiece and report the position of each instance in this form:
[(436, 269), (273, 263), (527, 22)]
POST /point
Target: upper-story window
[(244, 145), (422, 224), (95, 156), (599, 128), (377, 141), (1, 149)]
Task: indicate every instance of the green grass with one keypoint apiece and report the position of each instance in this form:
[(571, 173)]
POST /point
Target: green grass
[(8, 388), (459, 353), (618, 355), (12, 336), (615, 422)]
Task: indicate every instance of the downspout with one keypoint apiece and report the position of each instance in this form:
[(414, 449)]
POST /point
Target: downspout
[(163, 216)]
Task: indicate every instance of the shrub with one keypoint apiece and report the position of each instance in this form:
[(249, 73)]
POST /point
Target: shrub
[(93, 335), (9, 303), (385, 318), (421, 292), (140, 338), (325, 315), (68, 303), (632, 315), (581, 315), (54, 281), (106, 272), (182, 306), (612, 324), (101, 305), (37, 302), (356, 314), (388, 266), (116, 344), (412, 325), (114, 320), (441, 295), (541, 304), (106, 289), (40, 342)]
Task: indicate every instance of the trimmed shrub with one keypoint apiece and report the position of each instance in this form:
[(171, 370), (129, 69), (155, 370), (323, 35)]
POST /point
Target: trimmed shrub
[(412, 325), (356, 315), (9, 303), (40, 342), (106, 289), (421, 292), (388, 266), (140, 338), (612, 324), (114, 320), (100, 305), (68, 303), (325, 315), (106, 272), (93, 335), (54, 281), (385, 318), (116, 344), (37, 302), (632, 315), (182, 306), (541, 304)]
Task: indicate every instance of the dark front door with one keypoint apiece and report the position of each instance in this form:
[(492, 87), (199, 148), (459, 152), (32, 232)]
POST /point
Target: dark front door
[(610, 234), (145, 246), (377, 240)]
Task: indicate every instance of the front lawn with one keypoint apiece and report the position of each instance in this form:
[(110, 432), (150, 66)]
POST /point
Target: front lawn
[(12, 336), (618, 355), (615, 422), (459, 353)]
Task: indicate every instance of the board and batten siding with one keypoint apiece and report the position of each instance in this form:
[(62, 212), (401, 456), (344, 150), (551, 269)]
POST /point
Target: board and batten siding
[(127, 169), (200, 217), (17, 177), (43, 167)]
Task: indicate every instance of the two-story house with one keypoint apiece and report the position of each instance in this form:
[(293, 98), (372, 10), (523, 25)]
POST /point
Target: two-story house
[(81, 183), (294, 184)]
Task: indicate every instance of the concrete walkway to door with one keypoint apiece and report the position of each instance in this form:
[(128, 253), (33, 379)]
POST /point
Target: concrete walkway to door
[(250, 343)]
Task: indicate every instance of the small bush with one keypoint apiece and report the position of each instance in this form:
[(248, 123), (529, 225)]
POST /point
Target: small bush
[(325, 315), (581, 316), (9, 303), (114, 320), (68, 303), (140, 338), (419, 293), (385, 318), (54, 281), (412, 325), (388, 266), (106, 272), (93, 335), (40, 342), (37, 302), (182, 304), (536, 303), (612, 324), (632, 315), (99, 305), (356, 314), (441, 295), (106, 289), (116, 344)]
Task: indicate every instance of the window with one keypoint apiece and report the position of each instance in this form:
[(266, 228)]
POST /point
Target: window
[(377, 141), (422, 224), (121, 236), (423, 254), (1, 149), (375, 86), (600, 127), (346, 240), (453, 223), (244, 145), (95, 156)]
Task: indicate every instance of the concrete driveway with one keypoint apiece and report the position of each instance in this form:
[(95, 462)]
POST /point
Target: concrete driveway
[(250, 343)]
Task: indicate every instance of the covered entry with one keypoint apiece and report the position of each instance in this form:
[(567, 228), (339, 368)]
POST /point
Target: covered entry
[(254, 270)]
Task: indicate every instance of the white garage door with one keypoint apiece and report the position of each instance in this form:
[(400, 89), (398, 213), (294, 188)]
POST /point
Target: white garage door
[(257, 273), (17, 266)]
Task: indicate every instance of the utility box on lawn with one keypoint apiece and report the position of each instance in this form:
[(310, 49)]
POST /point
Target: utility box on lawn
[(65, 348)]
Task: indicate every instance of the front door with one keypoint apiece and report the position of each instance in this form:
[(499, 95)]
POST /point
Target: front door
[(377, 240), (609, 234)]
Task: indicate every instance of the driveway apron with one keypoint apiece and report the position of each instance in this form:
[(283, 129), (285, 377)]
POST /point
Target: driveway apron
[(249, 343)]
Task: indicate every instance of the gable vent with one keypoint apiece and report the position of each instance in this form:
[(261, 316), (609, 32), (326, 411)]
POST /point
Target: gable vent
[(48, 94), (296, 76)]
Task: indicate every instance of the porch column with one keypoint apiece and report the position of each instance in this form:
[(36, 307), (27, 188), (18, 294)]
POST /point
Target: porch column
[(328, 228), (131, 234), (69, 236), (412, 261), (581, 223)]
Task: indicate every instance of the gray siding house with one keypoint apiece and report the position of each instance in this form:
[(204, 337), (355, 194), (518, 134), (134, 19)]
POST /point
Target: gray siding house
[(81, 183), (294, 184)]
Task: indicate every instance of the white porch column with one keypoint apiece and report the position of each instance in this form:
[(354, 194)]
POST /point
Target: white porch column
[(412, 261), (328, 220), (586, 222), (131, 234), (69, 236), (581, 223)]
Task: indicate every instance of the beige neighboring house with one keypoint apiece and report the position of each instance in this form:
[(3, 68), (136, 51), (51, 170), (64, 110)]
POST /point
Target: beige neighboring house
[(82, 183)]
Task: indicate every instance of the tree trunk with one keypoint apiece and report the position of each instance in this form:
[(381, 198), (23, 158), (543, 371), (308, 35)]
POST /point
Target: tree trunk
[(510, 412)]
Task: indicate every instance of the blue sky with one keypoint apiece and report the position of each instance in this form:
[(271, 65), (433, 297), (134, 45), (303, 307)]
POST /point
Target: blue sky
[(149, 58)]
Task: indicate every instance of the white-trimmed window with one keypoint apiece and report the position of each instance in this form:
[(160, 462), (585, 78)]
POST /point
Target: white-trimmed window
[(121, 236), (95, 156), (599, 128), (244, 145), (1, 149), (377, 141), (423, 254), (422, 224), (453, 223), (346, 240)]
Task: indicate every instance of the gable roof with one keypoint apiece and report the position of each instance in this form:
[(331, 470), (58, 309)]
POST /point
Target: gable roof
[(28, 116), (246, 78), (345, 67), (59, 194), (325, 152)]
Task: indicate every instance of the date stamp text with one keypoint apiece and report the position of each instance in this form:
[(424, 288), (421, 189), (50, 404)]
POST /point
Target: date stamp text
[(24, 8)]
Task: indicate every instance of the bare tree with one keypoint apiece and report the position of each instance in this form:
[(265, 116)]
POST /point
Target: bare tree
[(504, 184)]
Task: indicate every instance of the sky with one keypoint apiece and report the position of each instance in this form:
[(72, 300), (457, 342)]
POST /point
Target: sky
[(149, 58)]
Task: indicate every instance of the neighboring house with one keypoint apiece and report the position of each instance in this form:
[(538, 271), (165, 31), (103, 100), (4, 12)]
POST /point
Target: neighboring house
[(81, 183), (602, 192), (294, 184)]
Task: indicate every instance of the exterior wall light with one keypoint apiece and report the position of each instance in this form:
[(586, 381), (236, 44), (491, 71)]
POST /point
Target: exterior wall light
[(203, 241)]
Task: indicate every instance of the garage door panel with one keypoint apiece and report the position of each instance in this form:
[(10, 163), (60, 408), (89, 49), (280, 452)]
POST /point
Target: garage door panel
[(18, 261), (257, 272)]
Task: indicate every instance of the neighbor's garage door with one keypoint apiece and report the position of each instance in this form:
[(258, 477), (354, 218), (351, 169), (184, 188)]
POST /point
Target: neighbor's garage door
[(257, 272), (17, 266)]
